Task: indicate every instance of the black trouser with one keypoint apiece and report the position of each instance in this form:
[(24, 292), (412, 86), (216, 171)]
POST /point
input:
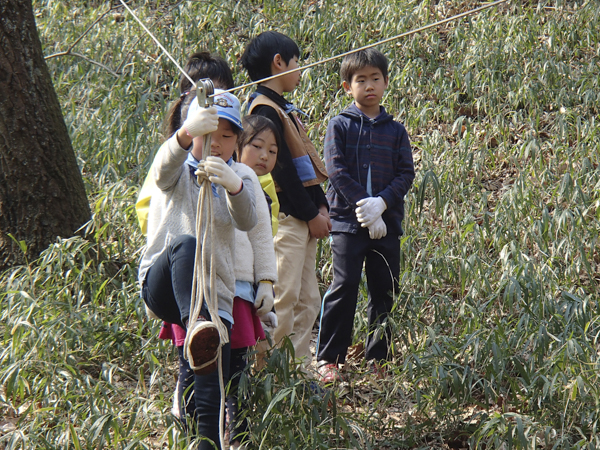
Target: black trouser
[(382, 267), (207, 398), (185, 389), (167, 289), (199, 397), (185, 392)]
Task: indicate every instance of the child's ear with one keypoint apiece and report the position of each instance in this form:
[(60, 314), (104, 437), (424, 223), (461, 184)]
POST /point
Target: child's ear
[(278, 61), (387, 82), (346, 87)]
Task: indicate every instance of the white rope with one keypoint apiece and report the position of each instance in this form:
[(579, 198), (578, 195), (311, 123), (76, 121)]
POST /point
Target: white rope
[(204, 282), (204, 285)]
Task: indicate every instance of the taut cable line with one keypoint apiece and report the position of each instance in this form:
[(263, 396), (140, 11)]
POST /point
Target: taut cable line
[(384, 41), (332, 58), (158, 43)]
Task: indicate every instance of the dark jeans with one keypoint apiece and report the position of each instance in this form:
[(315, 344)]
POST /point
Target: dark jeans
[(207, 397), (167, 289), (185, 391), (382, 267), (199, 397)]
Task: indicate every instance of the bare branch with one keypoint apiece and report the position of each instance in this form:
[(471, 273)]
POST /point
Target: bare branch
[(108, 69), (91, 61), (116, 73), (72, 46)]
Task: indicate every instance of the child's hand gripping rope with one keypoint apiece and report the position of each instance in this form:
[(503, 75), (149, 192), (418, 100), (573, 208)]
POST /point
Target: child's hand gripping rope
[(219, 172), (202, 121)]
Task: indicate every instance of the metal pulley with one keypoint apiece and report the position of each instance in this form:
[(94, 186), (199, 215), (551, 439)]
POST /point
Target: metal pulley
[(205, 90)]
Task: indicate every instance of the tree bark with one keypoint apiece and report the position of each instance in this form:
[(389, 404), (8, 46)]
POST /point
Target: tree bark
[(42, 194)]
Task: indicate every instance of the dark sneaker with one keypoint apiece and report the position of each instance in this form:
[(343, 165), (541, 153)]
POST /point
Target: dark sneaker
[(202, 346), (314, 388)]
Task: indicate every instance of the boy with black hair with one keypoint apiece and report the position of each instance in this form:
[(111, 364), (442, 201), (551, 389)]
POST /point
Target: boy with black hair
[(304, 215), (370, 165)]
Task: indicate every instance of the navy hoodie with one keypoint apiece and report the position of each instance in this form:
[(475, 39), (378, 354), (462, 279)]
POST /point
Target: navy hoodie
[(367, 157)]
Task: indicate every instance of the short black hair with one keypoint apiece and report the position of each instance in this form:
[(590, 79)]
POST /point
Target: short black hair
[(359, 60), (261, 50), (207, 65)]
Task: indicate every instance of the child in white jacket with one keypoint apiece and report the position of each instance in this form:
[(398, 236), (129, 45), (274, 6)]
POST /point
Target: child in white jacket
[(255, 263), (166, 269)]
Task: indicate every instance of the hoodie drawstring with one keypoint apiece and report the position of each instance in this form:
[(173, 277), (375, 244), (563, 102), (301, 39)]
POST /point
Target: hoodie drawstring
[(356, 150)]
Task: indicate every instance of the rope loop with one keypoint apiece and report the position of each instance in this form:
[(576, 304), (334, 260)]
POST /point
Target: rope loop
[(201, 174), (204, 284)]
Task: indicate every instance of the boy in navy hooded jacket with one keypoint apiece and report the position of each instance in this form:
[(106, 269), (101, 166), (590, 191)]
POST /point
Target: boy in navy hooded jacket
[(369, 161)]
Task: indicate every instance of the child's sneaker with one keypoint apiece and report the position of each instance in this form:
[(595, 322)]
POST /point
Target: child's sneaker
[(238, 447), (202, 346), (329, 372), (376, 370)]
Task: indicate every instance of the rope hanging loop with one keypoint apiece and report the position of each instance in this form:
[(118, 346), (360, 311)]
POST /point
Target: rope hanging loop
[(204, 283), (204, 280)]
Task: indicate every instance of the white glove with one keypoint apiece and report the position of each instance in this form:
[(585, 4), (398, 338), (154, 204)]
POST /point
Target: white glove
[(269, 321), (264, 300), (219, 172), (369, 210), (378, 230), (201, 121)]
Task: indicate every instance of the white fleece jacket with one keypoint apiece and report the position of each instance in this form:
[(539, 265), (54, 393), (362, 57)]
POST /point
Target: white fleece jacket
[(254, 252), (173, 213)]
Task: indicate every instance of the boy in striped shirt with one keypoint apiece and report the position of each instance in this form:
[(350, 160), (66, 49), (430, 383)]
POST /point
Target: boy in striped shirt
[(370, 166)]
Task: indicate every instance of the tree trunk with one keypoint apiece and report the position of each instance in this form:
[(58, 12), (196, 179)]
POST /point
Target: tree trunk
[(42, 194)]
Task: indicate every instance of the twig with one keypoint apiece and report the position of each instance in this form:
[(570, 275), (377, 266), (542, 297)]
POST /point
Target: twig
[(91, 61), (69, 51)]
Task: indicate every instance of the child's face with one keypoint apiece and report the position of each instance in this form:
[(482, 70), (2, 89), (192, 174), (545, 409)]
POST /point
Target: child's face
[(223, 141), (291, 80), (260, 154), (367, 87)]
